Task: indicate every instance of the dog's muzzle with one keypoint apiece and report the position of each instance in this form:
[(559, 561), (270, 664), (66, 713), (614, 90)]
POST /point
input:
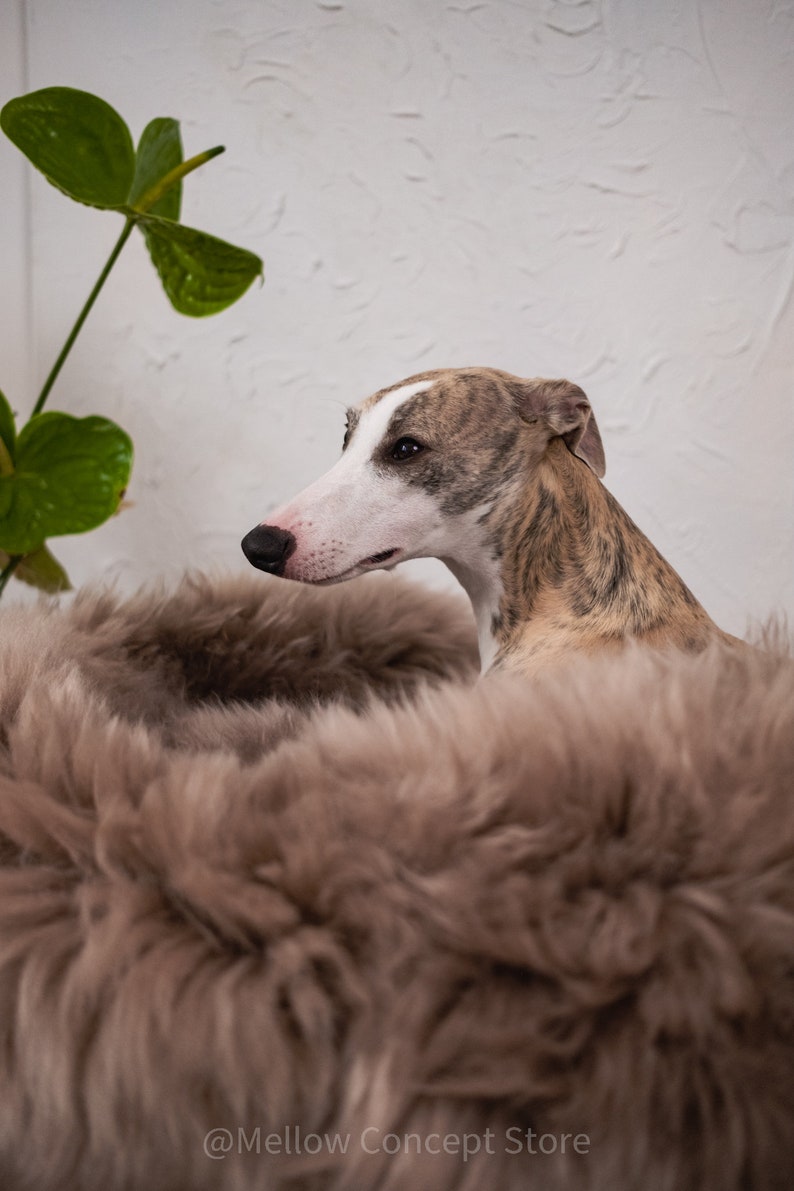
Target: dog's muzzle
[(268, 548)]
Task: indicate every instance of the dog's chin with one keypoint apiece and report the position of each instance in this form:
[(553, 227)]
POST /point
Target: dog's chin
[(382, 561)]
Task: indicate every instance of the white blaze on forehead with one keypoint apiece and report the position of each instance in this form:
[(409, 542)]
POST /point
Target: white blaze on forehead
[(374, 421), (351, 509)]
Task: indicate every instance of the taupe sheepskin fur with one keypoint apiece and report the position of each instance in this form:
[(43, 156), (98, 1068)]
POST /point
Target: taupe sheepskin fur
[(272, 863)]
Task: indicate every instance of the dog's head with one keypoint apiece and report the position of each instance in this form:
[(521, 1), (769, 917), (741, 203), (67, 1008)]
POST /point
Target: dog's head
[(423, 463)]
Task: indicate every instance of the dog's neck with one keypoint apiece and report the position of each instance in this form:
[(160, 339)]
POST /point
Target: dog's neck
[(483, 585), (560, 561)]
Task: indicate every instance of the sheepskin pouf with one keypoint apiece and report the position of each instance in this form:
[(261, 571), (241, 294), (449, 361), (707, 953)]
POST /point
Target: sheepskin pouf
[(289, 901)]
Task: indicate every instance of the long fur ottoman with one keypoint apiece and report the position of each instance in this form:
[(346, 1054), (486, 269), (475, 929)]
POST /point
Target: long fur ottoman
[(288, 902)]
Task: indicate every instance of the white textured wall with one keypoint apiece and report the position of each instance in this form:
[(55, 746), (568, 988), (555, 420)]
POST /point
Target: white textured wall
[(600, 189)]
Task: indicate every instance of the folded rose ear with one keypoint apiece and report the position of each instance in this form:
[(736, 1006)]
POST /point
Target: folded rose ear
[(562, 407)]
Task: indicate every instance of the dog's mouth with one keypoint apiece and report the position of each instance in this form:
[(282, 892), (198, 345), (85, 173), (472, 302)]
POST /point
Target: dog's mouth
[(366, 564), (375, 560)]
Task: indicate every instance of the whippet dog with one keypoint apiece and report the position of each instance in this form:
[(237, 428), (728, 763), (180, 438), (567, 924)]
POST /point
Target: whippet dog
[(498, 477)]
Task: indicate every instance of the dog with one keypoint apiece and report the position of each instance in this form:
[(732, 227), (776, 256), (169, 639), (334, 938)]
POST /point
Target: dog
[(500, 478)]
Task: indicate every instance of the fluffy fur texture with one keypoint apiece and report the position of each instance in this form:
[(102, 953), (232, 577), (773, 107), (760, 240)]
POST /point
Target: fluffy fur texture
[(271, 862)]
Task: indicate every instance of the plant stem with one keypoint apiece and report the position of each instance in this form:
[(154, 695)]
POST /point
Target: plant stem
[(75, 331), (8, 570), (156, 192)]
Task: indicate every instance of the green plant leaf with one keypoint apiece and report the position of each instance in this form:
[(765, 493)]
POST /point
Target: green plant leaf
[(159, 152), (8, 436), (40, 569), (70, 475), (200, 274), (79, 142)]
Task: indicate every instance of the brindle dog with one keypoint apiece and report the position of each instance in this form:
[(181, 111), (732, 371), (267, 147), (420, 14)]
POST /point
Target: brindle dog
[(500, 478)]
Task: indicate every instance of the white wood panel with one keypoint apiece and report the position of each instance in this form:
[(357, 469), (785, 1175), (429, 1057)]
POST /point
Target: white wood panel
[(14, 221)]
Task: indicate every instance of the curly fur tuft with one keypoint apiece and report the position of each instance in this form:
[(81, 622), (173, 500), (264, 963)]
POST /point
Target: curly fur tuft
[(270, 862)]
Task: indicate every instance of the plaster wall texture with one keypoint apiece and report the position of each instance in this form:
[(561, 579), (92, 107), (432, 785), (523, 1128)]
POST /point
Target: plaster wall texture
[(601, 189)]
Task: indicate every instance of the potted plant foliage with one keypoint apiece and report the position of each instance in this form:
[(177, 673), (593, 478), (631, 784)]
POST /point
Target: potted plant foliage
[(61, 474)]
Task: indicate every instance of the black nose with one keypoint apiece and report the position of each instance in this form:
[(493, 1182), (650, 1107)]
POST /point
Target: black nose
[(268, 548)]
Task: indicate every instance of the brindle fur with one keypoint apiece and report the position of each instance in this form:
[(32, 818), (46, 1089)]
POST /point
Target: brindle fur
[(576, 572), (579, 574)]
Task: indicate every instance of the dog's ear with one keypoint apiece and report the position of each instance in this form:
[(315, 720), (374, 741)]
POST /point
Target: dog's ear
[(563, 408)]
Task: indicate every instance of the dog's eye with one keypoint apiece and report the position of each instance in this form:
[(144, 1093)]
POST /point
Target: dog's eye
[(405, 448)]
